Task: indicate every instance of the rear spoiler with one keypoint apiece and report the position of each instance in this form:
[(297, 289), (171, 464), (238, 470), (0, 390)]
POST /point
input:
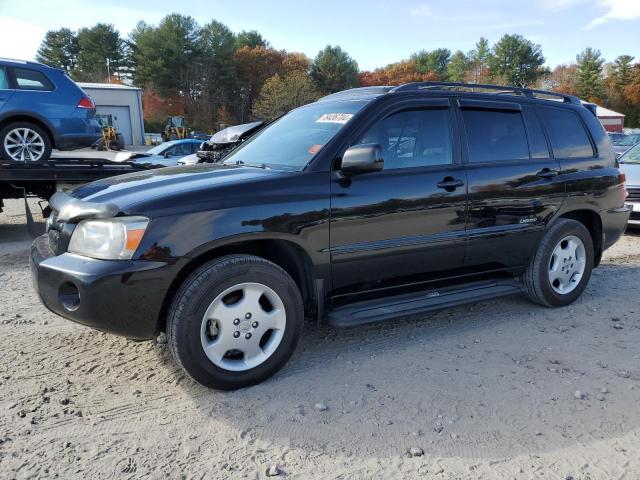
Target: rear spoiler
[(592, 107)]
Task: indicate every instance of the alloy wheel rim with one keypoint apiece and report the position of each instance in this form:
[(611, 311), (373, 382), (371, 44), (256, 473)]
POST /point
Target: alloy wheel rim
[(24, 145), (243, 326), (567, 264)]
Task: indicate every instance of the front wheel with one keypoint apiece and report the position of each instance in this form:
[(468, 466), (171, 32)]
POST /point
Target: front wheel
[(561, 268), (235, 322)]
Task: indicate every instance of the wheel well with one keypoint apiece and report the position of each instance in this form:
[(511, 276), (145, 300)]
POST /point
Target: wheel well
[(287, 255), (592, 221), (26, 118)]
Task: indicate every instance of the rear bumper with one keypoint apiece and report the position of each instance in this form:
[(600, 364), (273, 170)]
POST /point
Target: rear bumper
[(614, 223), (120, 297)]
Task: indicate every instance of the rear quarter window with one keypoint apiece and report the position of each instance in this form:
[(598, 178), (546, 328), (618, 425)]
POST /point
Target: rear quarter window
[(495, 135), (27, 79), (567, 135)]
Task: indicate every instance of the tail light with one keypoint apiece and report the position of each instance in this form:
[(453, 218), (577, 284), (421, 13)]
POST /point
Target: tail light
[(86, 102), (625, 192)]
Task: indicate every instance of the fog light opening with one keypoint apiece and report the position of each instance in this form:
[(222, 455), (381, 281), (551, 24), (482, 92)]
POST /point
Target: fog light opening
[(69, 296)]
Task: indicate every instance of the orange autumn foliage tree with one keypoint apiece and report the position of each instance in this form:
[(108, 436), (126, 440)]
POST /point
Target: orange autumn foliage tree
[(395, 74)]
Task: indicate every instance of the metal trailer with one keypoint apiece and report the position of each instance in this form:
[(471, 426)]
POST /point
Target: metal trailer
[(44, 179)]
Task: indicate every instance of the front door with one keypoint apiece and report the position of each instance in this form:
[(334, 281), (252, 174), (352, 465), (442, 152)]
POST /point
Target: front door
[(406, 221), (514, 184)]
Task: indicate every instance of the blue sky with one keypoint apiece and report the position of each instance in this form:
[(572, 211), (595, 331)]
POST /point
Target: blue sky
[(374, 32)]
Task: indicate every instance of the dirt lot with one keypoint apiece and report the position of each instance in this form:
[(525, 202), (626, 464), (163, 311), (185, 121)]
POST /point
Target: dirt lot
[(502, 389)]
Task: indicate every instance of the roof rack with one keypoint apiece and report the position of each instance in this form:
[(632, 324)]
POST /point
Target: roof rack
[(498, 89), (353, 92)]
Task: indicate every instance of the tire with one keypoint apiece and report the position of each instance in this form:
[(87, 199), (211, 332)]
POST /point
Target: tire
[(119, 142), (198, 317), (545, 280), (37, 138)]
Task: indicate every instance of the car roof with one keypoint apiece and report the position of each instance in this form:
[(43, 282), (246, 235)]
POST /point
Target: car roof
[(457, 89), (13, 62), (183, 140)]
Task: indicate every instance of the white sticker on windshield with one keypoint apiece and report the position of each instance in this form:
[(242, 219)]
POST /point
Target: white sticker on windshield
[(335, 118)]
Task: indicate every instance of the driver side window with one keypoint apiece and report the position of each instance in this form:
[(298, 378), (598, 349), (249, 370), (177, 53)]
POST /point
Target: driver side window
[(413, 138)]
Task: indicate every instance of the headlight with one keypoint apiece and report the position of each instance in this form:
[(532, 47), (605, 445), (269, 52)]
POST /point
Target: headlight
[(108, 239)]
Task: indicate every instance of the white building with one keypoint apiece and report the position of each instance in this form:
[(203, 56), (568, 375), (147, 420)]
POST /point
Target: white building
[(124, 104)]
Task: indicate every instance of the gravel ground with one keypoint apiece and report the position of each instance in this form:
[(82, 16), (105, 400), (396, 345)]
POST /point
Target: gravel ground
[(500, 389)]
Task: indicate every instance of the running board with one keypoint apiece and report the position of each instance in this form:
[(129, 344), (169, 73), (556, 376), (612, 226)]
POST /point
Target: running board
[(381, 309)]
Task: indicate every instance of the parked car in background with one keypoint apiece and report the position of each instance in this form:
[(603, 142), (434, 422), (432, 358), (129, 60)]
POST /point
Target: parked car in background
[(166, 154), (630, 165), (202, 136), (367, 205), (226, 140), (41, 108), (626, 143), (222, 143), (615, 137)]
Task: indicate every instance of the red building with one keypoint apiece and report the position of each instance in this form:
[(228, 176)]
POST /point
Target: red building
[(611, 121)]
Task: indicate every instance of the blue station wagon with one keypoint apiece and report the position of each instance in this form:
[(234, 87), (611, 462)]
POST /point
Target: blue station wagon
[(41, 108)]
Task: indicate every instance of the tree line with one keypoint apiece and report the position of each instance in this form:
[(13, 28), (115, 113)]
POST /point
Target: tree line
[(214, 76)]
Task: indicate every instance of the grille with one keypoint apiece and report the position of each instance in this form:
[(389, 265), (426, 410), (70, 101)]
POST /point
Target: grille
[(634, 194), (54, 240)]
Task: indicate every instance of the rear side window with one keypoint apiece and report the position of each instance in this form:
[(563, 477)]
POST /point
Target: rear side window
[(27, 79), (568, 137), (4, 79), (495, 135)]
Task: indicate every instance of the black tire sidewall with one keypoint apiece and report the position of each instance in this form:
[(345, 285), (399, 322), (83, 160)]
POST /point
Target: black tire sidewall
[(192, 304), (45, 138), (570, 228)]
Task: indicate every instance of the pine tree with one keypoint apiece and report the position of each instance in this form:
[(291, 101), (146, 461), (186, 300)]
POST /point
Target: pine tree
[(589, 83), (59, 49)]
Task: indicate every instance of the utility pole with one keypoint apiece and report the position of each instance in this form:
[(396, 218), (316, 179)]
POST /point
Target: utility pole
[(109, 70)]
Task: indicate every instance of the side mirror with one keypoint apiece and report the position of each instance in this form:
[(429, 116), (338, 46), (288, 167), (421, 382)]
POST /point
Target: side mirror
[(618, 155), (363, 158), (168, 154)]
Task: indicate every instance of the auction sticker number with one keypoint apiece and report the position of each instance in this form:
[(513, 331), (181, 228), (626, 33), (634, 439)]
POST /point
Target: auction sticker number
[(335, 118)]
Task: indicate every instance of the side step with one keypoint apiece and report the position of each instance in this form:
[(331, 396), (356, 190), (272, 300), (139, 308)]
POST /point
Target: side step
[(381, 309)]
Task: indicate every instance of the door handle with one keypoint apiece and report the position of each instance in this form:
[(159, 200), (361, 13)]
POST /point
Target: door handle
[(450, 184), (547, 173)]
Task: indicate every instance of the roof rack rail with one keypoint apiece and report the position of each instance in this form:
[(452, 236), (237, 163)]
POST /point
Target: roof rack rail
[(352, 92), (499, 89)]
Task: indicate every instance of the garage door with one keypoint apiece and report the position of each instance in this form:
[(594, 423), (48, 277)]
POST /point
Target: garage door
[(121, 120)]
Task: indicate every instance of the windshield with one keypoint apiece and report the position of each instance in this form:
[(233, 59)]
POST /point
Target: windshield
[(292, 141), (630, 140), (158, 150), (631, 156)]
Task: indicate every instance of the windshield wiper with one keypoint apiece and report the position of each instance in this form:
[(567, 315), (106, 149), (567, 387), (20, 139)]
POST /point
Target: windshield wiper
[(264, 166)]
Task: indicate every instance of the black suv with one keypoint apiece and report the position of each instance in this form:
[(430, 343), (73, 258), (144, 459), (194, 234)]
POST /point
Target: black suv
[(369, 204)]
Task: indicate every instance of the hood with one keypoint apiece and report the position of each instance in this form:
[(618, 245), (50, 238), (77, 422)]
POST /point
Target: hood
[(156, 160), (632, 172), (125, 191)]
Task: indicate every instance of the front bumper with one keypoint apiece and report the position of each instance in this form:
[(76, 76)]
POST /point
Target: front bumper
[(634, 218), (116, 296)]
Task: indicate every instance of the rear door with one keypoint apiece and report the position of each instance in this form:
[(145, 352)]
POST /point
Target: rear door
[(407, 220), (514, 187), (5, 89)]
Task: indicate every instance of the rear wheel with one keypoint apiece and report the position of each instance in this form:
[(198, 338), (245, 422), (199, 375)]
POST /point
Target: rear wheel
[(235, 322), (561, 268), (24, 142)]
